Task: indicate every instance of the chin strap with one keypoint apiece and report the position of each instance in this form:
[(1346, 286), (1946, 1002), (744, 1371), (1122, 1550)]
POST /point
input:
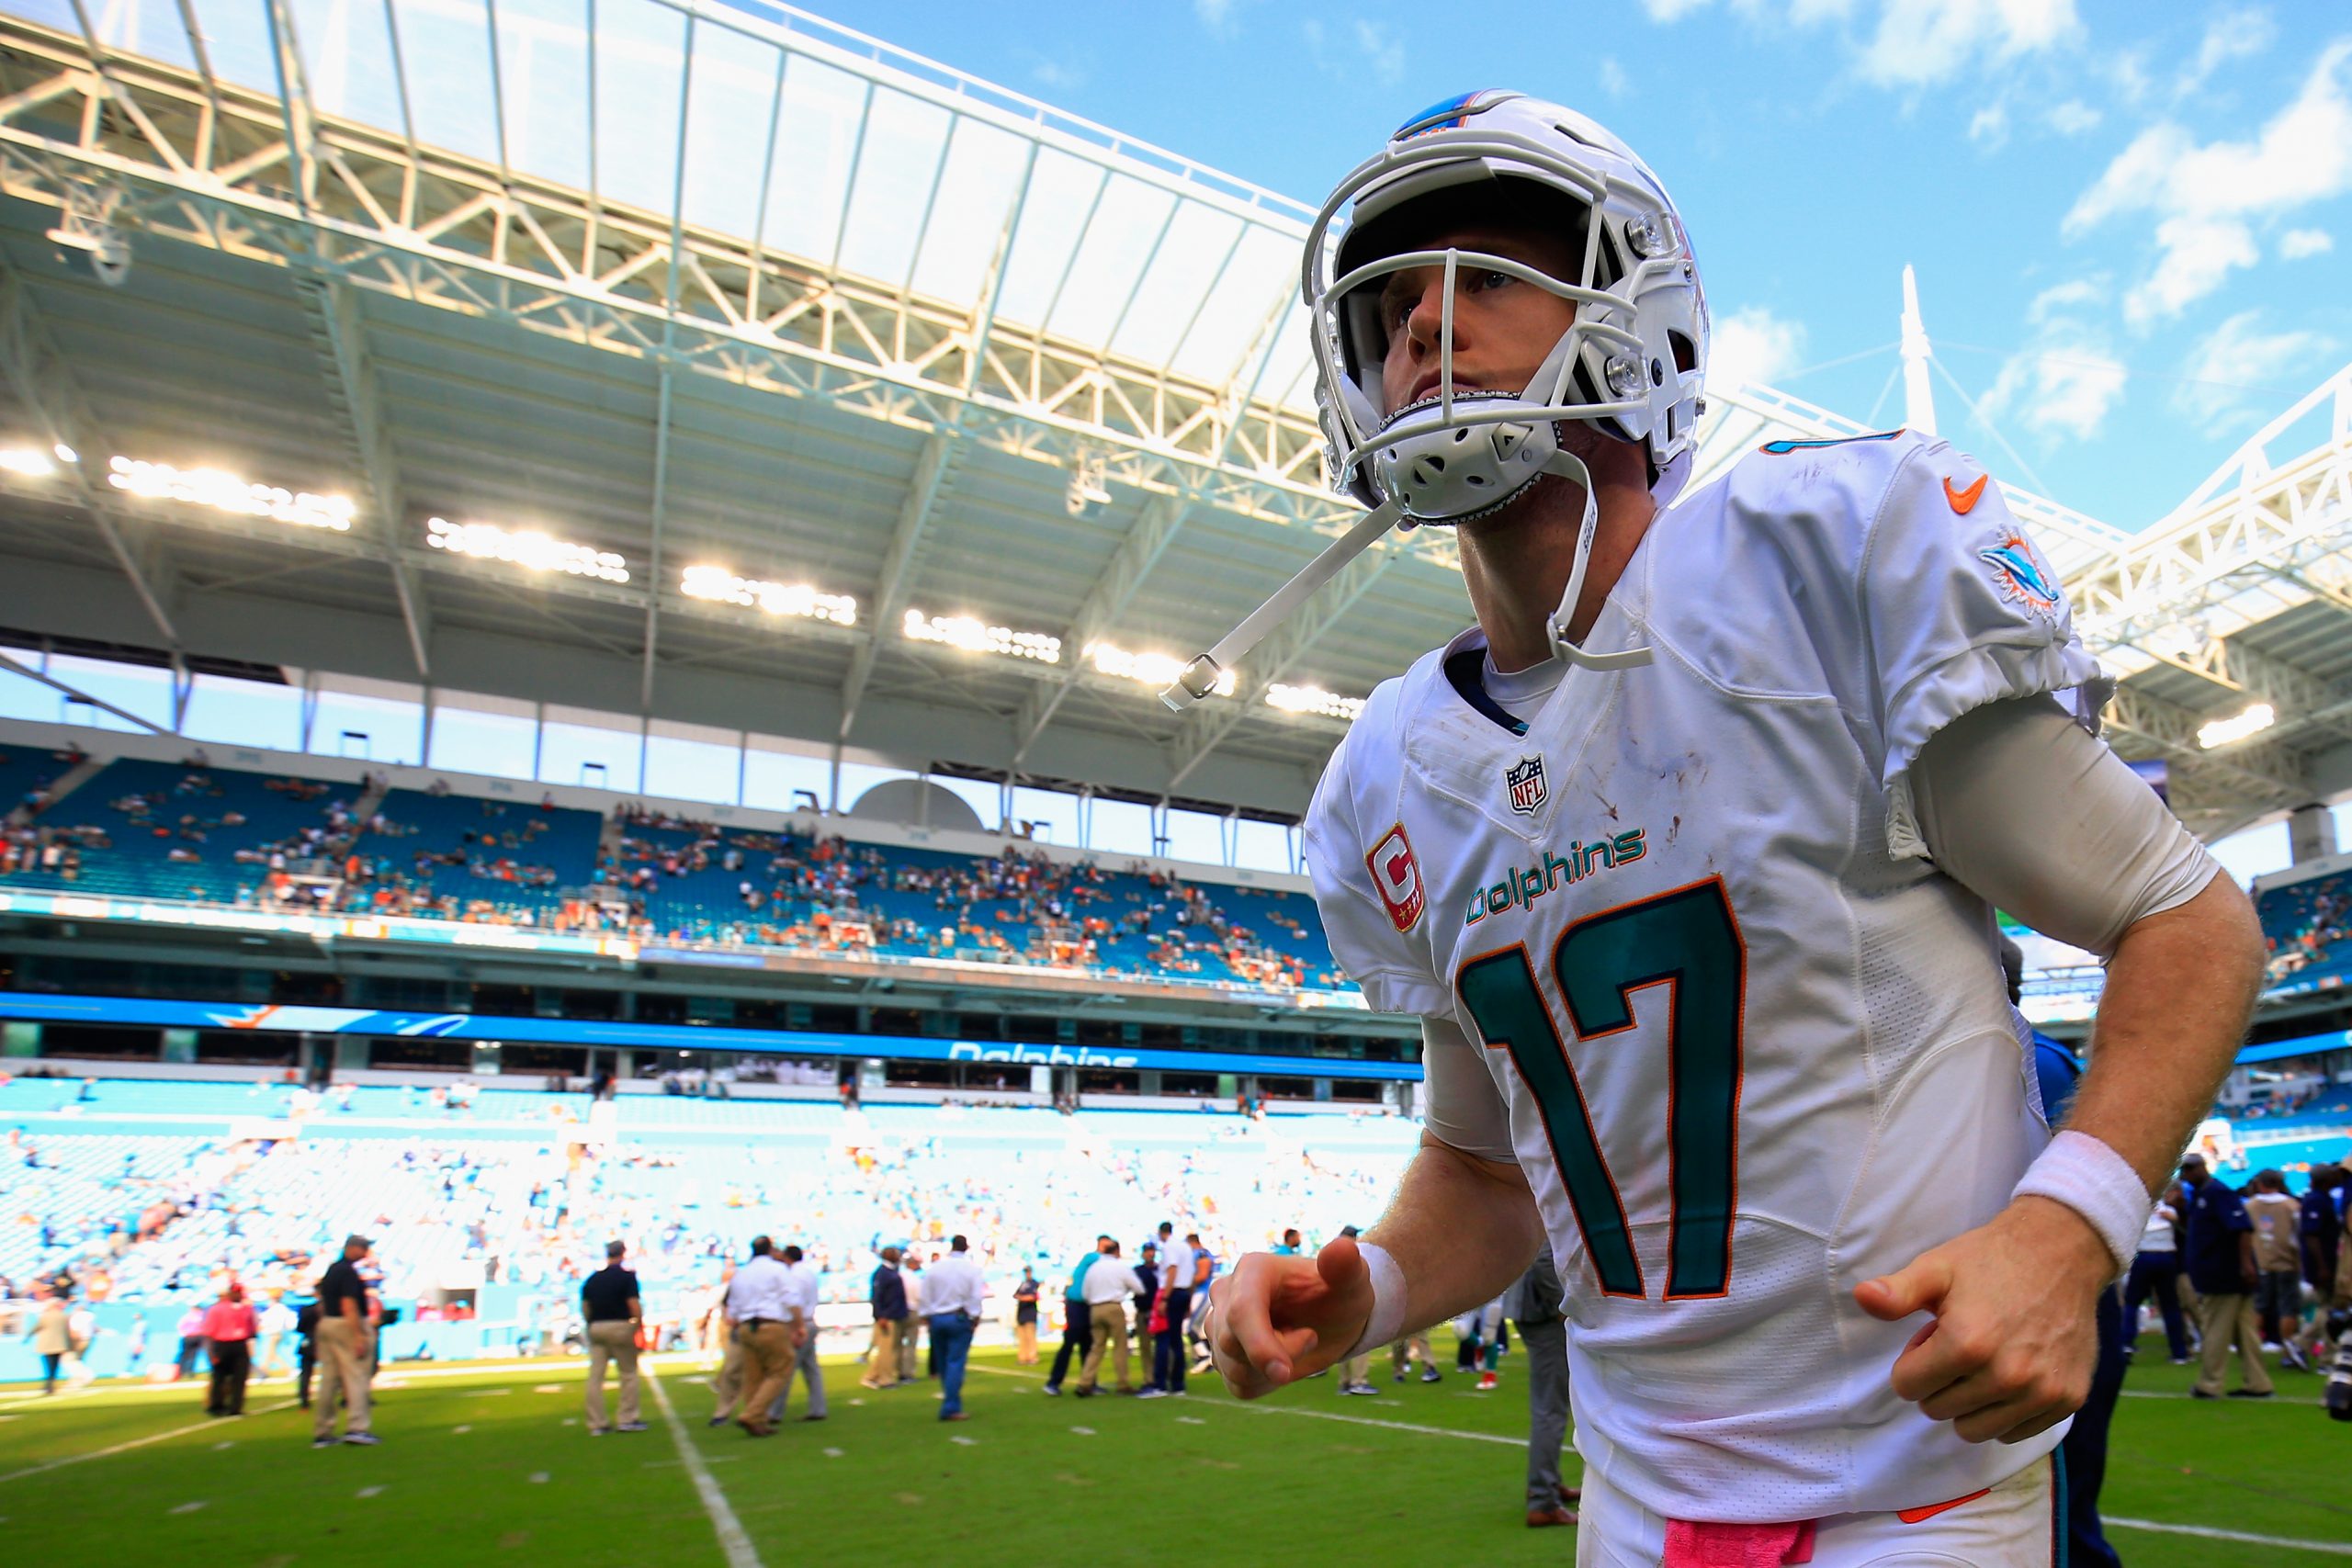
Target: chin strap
[(1555, 627), (1200, 677)]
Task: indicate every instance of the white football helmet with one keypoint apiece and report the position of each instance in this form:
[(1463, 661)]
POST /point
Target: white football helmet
[(1631, 364)]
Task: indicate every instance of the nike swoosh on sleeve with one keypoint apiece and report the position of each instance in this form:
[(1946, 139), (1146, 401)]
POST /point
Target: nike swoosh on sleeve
[(1964, 501)]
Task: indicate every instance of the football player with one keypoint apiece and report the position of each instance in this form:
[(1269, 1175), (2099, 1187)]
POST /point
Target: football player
[(1685, 855)]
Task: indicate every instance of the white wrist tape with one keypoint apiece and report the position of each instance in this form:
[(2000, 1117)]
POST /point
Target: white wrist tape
[(1387, 1319), (2091, 1178)]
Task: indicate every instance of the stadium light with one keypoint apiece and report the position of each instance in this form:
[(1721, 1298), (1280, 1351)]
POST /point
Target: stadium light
[(1314, 700), (978, 636), (525, 548), (1153, 670), (720, 585), (225, 491), (2222, 731), (27, 461), (65, 454)]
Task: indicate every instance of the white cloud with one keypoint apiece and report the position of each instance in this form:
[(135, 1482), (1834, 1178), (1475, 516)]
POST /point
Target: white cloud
[(1383, 50), (1989, 127), (1753, 346), (2072, 117), (2199, 255), (2237, 369), (2052, 300), (2067, 379), (2067, 383), (1920, 41), (2205, 196), (1614, 80), (2233, 34), (2297, 244), (1670, 10)]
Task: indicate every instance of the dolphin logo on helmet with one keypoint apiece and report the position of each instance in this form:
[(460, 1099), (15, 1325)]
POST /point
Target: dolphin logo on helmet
[(1631, 364)]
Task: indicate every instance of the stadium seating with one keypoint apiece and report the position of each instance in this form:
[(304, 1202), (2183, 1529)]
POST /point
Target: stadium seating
[(523, 1188), (458, 857), (147, 830), (2309, 927)]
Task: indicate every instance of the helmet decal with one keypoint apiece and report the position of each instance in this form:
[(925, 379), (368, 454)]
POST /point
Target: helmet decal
[(1451, 114)]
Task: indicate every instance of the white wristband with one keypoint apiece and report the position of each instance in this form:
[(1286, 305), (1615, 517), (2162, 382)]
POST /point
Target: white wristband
[(2091, 1178), (1387, 1319)]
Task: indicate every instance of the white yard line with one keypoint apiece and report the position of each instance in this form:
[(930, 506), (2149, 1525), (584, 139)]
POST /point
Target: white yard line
[(2325, 1548), (211, 1426), (731, 1538)]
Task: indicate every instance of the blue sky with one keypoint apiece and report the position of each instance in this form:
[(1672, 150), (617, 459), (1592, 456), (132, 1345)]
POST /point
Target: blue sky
[(2132, 224)]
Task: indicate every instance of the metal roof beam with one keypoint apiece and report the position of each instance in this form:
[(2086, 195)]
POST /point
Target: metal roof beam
[(934, 475), (2301, 699), (1146, 539), (1207, 724), (340, 333), (38, 374), (2266, 773)]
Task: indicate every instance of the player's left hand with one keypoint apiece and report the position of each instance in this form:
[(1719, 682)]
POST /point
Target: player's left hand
[(2010, 1350)]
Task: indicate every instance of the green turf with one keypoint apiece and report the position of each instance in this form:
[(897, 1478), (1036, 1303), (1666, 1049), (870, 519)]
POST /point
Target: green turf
[(518, 1484)]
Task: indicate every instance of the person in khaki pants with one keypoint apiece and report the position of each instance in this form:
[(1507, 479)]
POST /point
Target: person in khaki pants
[(346, 1342), (761, 1304), (1107, 1286), (2221, 1265), (888, 1293), (616, 1314)]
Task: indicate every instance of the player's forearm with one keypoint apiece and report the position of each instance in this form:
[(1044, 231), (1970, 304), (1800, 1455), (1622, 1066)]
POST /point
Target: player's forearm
[(2179, 992), (1461, 1230)]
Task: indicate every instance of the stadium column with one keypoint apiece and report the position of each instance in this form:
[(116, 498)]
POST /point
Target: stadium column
[(2311, 834)]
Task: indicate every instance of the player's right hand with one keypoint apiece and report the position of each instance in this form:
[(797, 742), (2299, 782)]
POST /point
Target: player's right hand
[(1275, 1319)]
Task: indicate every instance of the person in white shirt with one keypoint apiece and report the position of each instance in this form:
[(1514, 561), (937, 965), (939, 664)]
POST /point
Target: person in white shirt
[(1177, 1266), (910, 1325), (952, 1293), (2155, 1271), (804, 1361), (1108, 1286), (762, 1304)]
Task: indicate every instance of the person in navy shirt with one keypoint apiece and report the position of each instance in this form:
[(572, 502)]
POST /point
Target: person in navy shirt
[(2221, 1265)]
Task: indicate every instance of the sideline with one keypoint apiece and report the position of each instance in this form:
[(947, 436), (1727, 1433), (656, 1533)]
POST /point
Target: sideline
[(1253, 1409), (729, 1530), (207, 1425), (2326, 1548)]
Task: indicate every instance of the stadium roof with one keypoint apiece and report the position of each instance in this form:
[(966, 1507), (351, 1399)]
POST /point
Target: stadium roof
[(782, 318)]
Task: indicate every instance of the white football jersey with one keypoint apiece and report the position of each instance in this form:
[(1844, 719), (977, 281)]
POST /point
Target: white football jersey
[(1755, 1049)]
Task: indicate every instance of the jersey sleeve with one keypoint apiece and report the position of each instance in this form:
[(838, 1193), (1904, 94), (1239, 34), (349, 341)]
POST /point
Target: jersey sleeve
[(1957, 608), (1367, 875)]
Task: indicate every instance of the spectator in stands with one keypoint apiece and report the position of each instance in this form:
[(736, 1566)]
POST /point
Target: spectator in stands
[(346, 1341), (51, 1338), (1078, 1317), (229, 1329), (954, 1294), (1178, 1264), (1109, 1285), (2278, 1261), (1533, 1304), (614, 1312), (761, 1303), (2155, 1271), (2221, 1265), (1024, 1319), (888, 1293), (804, 1358)]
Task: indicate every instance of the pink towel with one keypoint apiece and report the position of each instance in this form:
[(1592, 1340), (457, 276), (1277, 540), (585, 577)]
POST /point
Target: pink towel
[(1690, 1545)]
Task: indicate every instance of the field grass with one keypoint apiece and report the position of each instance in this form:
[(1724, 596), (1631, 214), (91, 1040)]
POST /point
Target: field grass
[(490, 1465)]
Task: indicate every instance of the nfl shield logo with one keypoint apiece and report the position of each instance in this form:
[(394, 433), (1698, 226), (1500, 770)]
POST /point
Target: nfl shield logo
[(1525, 778)]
